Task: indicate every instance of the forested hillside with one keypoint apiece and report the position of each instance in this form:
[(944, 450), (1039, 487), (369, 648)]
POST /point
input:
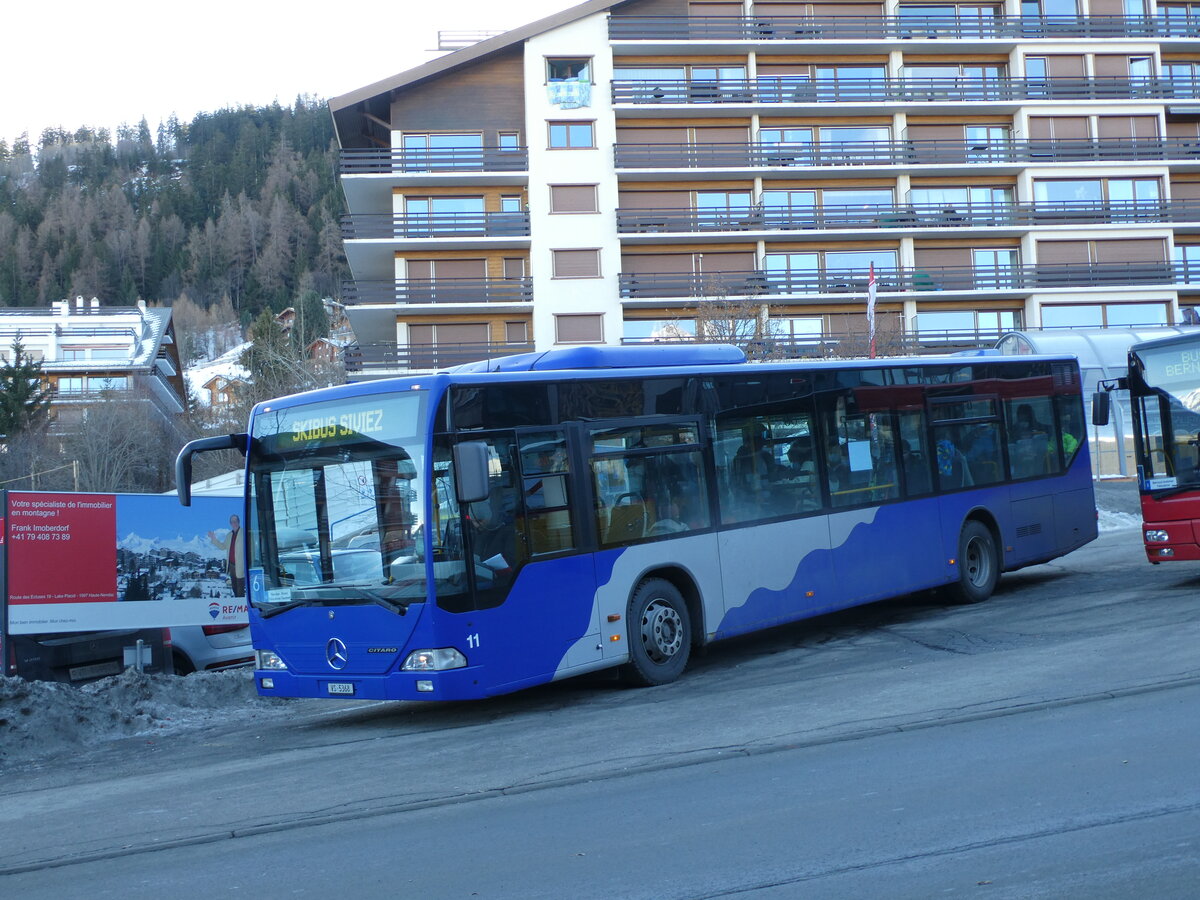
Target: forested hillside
[(240, 204)]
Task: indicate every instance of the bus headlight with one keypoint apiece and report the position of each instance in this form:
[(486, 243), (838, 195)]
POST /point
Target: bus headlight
[(434, 660), (1156, 537), (267, 659)]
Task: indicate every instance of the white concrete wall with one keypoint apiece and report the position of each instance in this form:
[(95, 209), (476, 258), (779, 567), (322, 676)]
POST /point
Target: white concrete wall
[(587, 37)]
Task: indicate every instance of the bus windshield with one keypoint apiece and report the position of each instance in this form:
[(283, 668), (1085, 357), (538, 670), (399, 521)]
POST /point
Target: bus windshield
[(1168, 409), (337, 503)]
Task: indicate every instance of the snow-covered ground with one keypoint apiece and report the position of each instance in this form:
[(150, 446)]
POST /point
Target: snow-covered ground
[(41, 720)]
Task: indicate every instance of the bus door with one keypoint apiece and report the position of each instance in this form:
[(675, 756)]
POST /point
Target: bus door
[(881, 545), (523, 542)]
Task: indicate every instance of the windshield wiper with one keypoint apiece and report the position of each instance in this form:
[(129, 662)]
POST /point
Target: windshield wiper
[(349, 592), (266, 610), (1171, 492)]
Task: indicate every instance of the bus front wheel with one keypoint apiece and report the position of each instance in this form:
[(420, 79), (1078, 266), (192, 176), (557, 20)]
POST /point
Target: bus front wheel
[(978, 564), (660, 634)]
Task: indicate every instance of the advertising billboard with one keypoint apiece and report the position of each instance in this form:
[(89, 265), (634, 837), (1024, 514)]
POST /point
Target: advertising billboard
[(82, 562)]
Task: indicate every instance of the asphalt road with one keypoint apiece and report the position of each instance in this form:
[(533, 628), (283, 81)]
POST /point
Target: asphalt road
[(1040, 744)]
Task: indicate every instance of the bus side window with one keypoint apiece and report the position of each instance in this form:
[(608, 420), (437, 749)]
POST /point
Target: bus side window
[(1070, 420), (982, 449), (914, 452), (1031, 436), (544, 485), (745, 452), (656, 486)]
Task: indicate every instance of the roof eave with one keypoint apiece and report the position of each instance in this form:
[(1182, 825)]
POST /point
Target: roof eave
[(468, 55)]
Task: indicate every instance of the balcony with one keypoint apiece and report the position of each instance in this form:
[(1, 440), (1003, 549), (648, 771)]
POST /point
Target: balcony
[(907, 216), (372, 226), (439, 291), (855, 28), (899, 90), (1014, 280), (383, 359), (894, 153), (450, 159)]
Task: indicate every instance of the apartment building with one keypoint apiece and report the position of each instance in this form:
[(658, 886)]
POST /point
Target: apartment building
[(90, 353), (614, 173)]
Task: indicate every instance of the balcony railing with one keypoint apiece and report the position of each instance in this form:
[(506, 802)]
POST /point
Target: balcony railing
[(441, 290), (892, 153), (488, 224), (761, 283), (807, 28), (393, 357), (449, 159), (939, 215), (772, 89)]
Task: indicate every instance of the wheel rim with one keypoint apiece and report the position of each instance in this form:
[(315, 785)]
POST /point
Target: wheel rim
[(662, 631), (978, 562)]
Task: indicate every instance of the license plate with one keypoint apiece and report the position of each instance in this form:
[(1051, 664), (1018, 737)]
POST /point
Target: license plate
[(96, 670), (341, 687)]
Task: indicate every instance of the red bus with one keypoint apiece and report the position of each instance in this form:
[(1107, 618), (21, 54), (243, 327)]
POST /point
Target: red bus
[(1164, 394)]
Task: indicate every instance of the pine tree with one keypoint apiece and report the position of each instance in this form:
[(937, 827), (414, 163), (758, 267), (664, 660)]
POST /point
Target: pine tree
[(24, 399)]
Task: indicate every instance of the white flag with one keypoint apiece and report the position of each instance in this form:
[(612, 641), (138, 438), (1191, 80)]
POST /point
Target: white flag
[(871, 289)]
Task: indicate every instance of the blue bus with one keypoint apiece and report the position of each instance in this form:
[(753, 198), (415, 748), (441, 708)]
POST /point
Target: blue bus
[(505, 524)]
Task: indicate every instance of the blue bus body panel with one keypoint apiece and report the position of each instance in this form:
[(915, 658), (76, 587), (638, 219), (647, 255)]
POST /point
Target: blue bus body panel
[(550, 610)]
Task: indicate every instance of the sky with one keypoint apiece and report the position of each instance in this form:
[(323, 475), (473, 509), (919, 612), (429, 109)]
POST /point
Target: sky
[(69, 63)]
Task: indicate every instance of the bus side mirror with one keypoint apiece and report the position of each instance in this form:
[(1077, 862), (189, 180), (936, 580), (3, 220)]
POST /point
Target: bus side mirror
[(471, 471), (1100, 401), (183, 462)]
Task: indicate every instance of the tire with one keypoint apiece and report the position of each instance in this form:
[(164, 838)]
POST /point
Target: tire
[(182, 665), (660, 634), (978, 564)]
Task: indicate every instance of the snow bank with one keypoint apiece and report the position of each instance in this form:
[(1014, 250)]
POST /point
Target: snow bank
[(1118, 521), (40, 719)]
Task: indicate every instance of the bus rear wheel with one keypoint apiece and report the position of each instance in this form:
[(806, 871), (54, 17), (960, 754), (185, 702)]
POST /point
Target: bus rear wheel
[(660, 634), (978, 564)]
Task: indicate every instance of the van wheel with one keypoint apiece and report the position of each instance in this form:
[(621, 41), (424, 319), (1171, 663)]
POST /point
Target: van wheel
[(978, 564), (660, 634)]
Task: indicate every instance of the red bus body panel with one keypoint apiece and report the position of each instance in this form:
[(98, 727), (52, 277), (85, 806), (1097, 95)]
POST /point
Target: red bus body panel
[(1179, 517)]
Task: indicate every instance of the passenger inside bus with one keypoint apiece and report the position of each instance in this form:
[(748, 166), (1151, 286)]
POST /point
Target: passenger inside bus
[(753, 465), (952, 466)]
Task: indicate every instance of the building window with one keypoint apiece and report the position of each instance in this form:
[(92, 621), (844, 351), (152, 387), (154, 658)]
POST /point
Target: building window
[(1104, 315), (572, 136), (516, 332), (950, 325), (422, 152), (656, 330), (573, 198), (70, 385), (509, 141), (576, 263), (568, 69), (108, 383), (579, 329)]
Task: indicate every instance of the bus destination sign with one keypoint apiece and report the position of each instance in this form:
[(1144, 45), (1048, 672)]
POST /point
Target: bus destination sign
[(386, 418)]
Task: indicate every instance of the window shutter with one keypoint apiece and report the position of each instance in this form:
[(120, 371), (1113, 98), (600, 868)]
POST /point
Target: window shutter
[(573, 198), (576, 263), (579, 329)]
